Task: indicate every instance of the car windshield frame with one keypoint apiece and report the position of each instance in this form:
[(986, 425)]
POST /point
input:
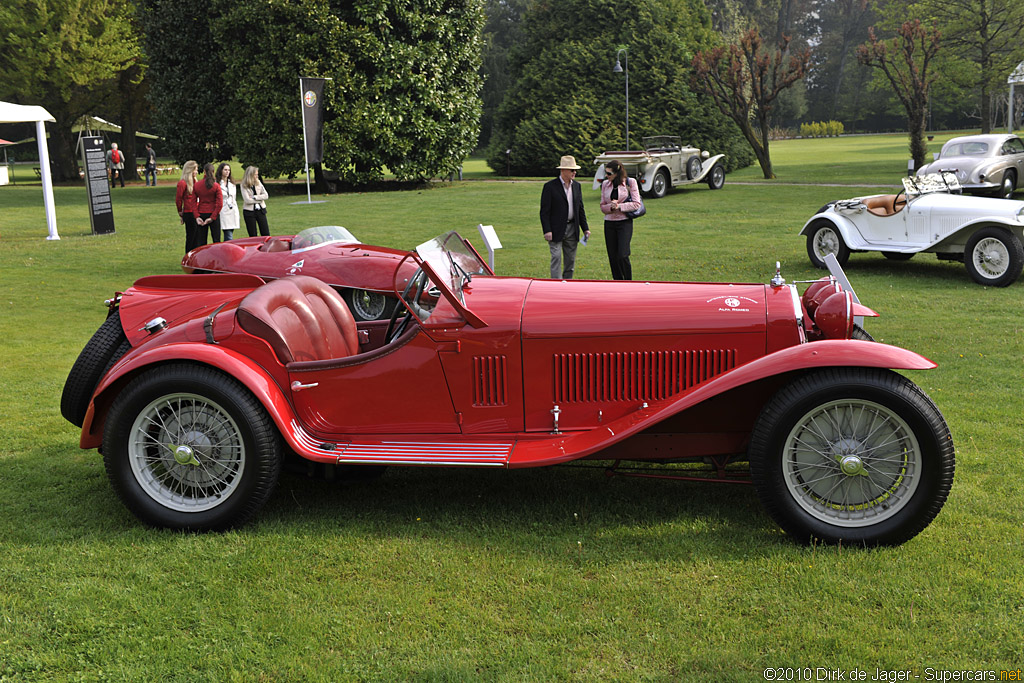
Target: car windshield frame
[(452, 263), (943, 181), (320, 236)]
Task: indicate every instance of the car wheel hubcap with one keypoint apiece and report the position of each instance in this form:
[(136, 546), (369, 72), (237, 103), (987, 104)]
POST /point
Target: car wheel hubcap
[(991, 257), (369, 305), (186, 452), (851, 463), (826, 242)]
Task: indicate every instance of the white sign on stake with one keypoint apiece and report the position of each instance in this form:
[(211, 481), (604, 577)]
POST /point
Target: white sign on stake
[(490, 238)]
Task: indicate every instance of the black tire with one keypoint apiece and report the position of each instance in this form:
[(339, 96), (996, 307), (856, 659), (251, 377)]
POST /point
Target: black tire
[(898, 255), (234, 447), (693, 167), (1008, 185), (105, 347), (367, 305), (861, 334), (716, 178), (824, 237), (856, 456), (994, 256), (659, 188)]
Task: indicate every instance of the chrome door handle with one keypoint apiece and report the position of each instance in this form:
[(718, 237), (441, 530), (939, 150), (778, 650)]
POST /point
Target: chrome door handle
[(299, 386)]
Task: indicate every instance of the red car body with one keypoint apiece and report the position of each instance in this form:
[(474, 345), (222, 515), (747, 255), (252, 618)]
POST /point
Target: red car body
[(363, 274), (477, 370)]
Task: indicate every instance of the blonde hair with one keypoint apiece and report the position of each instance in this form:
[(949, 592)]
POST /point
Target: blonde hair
[(187, 171), (249, 179)]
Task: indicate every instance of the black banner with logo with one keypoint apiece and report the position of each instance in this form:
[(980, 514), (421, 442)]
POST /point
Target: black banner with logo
[(94, 161), (313, 118)]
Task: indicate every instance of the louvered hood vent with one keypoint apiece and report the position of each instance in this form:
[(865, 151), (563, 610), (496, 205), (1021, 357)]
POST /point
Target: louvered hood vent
[(490, 375), (635, 375)]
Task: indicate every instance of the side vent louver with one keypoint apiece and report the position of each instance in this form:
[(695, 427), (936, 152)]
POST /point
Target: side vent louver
[(490, 374), (635, 375)]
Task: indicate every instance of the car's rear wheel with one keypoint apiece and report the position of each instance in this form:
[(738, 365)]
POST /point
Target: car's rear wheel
[(852, 455), (659, 188), (187, 447), (366, 305), (994, 256), (716, 179), (824, 239), (1008, 185), (105, 347)]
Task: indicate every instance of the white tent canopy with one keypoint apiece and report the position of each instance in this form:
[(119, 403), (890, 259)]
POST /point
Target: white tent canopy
[(19, 113), (95, 123)]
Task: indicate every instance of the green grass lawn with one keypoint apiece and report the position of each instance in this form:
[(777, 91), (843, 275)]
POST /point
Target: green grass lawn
[(548, 574)]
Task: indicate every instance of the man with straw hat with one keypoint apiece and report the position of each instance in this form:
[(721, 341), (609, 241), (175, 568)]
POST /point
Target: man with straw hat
[(562, 217)]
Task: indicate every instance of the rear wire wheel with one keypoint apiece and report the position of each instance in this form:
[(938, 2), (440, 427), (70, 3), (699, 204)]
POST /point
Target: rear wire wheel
[(852, 455)]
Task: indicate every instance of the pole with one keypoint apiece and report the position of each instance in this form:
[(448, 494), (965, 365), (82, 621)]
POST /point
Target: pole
[(305, 153), (627, 100), (44, 172)]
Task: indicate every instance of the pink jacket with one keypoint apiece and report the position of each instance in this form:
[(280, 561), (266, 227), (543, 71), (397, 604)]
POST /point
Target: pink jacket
[(606, 200)]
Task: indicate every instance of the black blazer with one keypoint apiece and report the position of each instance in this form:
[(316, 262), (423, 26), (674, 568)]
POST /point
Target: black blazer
[(554, 210)]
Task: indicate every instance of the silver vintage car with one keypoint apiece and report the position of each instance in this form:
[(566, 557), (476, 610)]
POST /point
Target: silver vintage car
[(665, 162), (982, 163)]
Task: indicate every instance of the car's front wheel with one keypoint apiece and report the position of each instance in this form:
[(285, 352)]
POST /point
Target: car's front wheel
[(994, 256), (659, 188), (716, 179), (1008, 185), (852, 455), (824, 239), (187, 447)]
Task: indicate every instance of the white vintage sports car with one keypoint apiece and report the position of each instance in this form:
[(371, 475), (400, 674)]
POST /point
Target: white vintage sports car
[(663, 163), (928, 215)]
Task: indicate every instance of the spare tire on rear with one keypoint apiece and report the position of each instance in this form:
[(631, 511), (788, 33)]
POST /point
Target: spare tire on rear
[(103, 350)]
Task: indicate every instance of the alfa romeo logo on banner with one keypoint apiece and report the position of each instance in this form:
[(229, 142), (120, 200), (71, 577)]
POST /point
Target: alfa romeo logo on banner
[(312, 90)]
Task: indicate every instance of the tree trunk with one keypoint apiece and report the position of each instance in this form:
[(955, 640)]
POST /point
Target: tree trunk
[(64, 161), (760, 152), (916, 128)]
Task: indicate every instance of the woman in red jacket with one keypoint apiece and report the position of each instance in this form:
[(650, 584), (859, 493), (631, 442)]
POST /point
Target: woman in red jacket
[(209, 202), (185, 200)]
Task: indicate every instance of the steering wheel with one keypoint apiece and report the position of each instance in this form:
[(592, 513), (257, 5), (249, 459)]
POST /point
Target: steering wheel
[(412, 292), (896, 200)]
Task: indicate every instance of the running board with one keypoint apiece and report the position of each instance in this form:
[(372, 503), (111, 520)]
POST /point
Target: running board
[(413, 453)]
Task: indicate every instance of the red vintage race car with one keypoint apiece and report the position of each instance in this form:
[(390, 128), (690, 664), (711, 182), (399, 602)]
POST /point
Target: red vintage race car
[(196, 385), (362, 274)]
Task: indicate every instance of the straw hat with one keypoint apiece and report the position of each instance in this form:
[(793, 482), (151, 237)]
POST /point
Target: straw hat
[(569, 163)]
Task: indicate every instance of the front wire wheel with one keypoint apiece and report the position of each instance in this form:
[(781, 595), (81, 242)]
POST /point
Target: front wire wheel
[(852, 455), (824, 239), (187, 447)]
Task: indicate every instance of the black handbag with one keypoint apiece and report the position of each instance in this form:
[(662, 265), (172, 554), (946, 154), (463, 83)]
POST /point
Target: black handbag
[(638, 212)]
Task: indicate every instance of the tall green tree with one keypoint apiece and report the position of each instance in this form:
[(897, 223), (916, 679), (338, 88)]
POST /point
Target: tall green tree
[(984, 38), (835, 79), (64, 55), (906, 62), (565, 98), (186, 79), (745, 80), (404, 94), (502, 31)]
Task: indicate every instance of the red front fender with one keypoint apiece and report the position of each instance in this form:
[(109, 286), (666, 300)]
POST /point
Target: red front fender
[(232, 363), (821, 354)]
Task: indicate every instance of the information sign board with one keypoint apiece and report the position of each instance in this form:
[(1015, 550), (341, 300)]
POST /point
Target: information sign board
[(94, 161)]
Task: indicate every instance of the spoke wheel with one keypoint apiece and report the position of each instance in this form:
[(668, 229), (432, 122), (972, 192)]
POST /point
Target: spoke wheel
[(824, 239), (852, 455), (187, 447), (994, 257), (716, 179), (366, 305), (660, 186)]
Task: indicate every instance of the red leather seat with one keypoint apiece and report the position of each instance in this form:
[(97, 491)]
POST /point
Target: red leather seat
[(302, 319)]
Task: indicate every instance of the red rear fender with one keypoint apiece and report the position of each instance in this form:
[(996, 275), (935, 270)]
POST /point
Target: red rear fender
[(263, 386)]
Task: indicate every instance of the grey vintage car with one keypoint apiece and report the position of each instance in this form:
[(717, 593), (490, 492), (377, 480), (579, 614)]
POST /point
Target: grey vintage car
[(665, 162), (982, 163)]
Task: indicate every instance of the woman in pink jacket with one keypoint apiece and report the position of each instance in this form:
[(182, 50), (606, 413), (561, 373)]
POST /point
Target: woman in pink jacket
[(619, 194)]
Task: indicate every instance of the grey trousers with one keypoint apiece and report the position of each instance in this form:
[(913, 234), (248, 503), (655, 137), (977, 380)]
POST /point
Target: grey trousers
[(563, 255)]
